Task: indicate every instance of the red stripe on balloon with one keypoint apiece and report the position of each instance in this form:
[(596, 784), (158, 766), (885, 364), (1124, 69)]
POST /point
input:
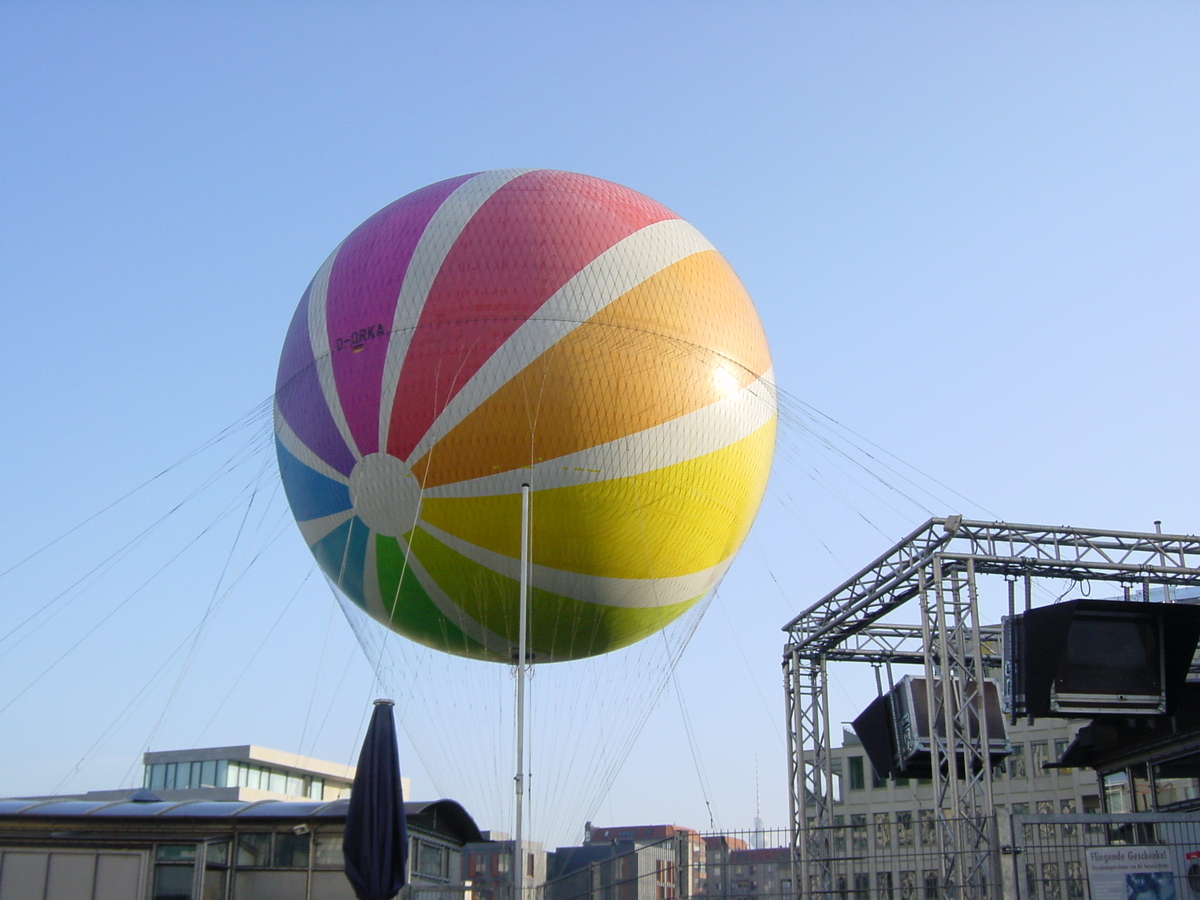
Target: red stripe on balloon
[(364, 285), (525, 242)]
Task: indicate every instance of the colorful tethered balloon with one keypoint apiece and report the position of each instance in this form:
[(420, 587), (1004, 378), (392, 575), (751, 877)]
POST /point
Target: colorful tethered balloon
[(512, 327)]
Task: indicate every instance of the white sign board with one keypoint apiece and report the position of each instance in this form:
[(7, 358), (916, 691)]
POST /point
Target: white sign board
[(1130, 873)]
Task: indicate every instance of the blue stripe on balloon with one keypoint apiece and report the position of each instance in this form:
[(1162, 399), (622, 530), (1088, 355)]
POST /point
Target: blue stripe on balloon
[(310, 494), (343, 555)]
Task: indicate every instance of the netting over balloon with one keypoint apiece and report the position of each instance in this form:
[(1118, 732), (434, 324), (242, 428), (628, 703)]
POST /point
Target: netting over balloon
[(525, 327)]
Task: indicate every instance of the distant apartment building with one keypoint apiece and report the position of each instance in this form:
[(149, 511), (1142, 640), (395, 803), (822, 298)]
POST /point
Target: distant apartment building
[(487, 865), (718, 868), (759, 872), (637, 862)]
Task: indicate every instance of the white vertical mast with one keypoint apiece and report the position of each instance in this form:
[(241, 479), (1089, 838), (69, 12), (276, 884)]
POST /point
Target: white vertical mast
[(522, 655)]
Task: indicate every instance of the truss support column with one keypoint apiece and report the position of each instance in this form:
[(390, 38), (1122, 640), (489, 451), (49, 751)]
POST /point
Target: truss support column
[(954, 667), (810, 764)]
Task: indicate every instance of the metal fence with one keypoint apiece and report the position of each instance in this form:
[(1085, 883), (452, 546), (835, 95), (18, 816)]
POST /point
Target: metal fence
[(1142, 856)]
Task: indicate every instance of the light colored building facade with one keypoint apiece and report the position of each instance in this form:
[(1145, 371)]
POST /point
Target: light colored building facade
[(1022, 784), (885, 830)]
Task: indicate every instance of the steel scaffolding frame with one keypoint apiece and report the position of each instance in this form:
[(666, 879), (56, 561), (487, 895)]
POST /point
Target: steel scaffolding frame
[(939, 564)]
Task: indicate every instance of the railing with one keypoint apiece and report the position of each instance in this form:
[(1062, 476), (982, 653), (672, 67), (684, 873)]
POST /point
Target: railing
[(1143, 856)]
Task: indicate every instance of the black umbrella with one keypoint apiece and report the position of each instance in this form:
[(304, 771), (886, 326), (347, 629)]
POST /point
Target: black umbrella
[(375, 845)]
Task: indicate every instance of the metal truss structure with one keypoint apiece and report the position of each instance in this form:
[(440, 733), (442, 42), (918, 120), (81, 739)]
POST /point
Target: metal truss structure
[(938, 566)]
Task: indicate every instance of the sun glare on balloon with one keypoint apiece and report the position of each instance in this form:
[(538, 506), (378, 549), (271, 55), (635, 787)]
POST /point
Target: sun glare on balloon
[(725, 381)]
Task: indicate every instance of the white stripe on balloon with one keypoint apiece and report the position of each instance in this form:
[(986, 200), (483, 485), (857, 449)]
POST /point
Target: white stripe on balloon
[(439, 236), (318, 336), (702, 431)]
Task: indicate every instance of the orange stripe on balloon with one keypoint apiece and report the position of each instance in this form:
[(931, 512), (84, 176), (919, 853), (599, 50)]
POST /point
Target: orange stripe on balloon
[(679, 341)]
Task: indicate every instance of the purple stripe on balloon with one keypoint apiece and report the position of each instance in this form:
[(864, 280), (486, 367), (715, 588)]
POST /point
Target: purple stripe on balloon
[(364, 285), (301, 401)]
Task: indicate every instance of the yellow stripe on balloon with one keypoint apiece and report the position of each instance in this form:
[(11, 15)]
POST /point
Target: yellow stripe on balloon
[(658, 524)]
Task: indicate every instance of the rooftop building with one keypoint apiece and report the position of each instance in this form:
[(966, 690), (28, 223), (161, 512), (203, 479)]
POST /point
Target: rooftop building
[(245, 772)]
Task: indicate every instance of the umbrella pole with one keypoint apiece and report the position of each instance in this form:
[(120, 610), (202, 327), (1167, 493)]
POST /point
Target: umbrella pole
[(518, 846)]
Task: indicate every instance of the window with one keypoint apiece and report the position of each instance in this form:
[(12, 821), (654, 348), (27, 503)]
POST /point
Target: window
[(1060, 750), (291, 851), (1045, 808), (862, 886), (883, 831), (928, 827), (904, 828), (883, 885), (174, 867), (1037, 757), (858, 832), (1141, 788), (1067, 807), (216, 871), (857, 783), (432, 860), (1116, 792), (253, 850), (877, 781), (173, 882), (1177, 781), (1016, 761), (327, 850)]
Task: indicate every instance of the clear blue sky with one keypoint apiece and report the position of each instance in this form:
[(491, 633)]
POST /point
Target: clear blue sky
[(971, 231)]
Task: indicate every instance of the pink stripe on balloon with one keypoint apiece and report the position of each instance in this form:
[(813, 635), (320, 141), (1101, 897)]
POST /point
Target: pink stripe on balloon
[(523, 244), (364, 285), (301, 401)]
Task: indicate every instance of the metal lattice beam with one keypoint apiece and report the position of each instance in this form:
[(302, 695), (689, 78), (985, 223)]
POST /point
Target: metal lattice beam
[(938, 564), (997, 548)]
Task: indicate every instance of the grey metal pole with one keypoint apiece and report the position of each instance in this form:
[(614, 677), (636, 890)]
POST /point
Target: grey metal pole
[(522, 654)]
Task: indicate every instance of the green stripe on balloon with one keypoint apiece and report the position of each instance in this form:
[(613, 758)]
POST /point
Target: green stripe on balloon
[(409, 606)]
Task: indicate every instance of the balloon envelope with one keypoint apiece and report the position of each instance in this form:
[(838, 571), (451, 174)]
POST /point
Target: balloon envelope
[(525, 327)]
